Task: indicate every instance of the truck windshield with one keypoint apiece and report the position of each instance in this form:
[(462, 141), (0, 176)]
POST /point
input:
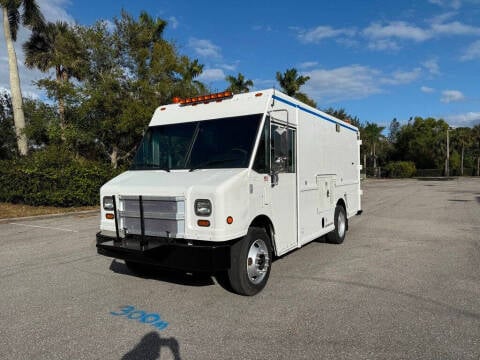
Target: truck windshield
[(208, 144)]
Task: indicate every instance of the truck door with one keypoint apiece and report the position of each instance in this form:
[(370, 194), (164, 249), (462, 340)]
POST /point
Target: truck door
[(284, 185)]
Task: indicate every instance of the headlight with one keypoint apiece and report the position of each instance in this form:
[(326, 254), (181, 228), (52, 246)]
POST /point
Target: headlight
[(108, 203), (203, 207)]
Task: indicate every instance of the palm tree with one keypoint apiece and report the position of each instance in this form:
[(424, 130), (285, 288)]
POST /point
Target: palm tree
[(31, 17), (290, 82), (238, 84), (57, 46), (189, 71), (476, 143), (464, 138), (372, 135)]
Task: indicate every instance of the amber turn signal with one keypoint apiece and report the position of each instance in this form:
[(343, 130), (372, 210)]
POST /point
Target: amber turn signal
[(203, 223), (109, 216), (229, 220)]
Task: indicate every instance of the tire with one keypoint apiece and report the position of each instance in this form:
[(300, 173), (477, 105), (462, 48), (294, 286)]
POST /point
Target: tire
[(250, 262), (338, 235)]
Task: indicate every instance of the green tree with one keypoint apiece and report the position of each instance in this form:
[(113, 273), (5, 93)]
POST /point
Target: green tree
[(41, 123), (238, 84), (189, 71), (12, 17), (8, 139), (476, 146), (372, 137), (57, 46), (291, 82), (343, 115), (393, 130), (422, 141), (132, 70), (463, 137)]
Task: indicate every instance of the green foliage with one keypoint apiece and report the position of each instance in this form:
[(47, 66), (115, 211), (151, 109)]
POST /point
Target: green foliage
[(290, 82), (40, 120), (343, 115), (132, 70), (305, 99), (52, 177), (238, 84), (8, 139), (394, 128), (400, 169), (30, 16), (423, 142), (56, 46)]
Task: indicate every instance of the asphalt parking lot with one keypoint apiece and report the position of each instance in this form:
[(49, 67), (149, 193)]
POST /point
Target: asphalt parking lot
[(404, 285)]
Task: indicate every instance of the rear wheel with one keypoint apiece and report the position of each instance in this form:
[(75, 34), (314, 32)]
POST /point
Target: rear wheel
[(250, 262), (340, 219)]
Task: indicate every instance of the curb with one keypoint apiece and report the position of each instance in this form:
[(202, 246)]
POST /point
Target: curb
[(48, 216)]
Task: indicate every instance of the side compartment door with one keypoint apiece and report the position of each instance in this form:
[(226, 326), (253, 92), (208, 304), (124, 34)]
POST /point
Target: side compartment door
[(284, 186)]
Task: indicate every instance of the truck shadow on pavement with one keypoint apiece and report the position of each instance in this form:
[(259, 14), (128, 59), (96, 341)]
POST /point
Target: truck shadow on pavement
[(150, 347), (156, 273)]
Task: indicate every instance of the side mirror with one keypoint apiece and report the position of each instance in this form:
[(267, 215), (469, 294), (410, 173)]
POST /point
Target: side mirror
[(274, 179)]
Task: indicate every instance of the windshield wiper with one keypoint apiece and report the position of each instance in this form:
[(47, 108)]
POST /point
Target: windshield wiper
[(152, 166), (212, 162)]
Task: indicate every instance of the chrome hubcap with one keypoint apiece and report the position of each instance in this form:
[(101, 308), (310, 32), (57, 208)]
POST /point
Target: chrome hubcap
[(257, 261), (341, 223)]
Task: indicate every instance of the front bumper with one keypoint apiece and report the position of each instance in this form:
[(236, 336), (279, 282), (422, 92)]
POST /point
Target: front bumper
[(180, 254)]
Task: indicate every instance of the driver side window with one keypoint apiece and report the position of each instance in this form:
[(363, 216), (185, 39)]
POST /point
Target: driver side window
[(282, 149), (262, 158)]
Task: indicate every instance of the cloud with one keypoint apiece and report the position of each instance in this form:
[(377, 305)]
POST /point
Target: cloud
[(383, 44), (386, 36), (449, 96), (472, 52), (454, 4), (439, 19), (53, 10), (266, 28), (396, 29), (432, 66), (354, 82), (212, 75), (173, 22), (230, 67), (348, 82), (455, 28), (205, 48), (320, 33), (307, 64), (402, 77), (466, 119), (27, 77), (427, 90)]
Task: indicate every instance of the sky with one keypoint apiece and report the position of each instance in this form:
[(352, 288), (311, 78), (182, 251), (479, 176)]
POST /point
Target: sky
[(378, 60)]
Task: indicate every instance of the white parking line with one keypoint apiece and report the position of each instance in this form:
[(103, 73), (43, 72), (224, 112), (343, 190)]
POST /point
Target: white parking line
[(44, 227)]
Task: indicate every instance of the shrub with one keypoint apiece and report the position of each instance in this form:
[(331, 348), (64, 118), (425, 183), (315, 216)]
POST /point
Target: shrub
[(400, 169), (53, 177)]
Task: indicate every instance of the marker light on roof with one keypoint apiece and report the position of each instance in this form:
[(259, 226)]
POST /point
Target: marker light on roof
[(203, 98)]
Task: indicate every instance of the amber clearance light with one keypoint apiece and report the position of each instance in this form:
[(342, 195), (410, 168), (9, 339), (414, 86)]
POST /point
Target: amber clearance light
[(203, 98)]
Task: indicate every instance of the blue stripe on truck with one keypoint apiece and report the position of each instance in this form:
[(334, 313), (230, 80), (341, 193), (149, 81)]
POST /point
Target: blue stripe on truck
[(275, 97)]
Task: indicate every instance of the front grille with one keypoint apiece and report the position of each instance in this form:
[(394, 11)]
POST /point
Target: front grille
[(162, 216)]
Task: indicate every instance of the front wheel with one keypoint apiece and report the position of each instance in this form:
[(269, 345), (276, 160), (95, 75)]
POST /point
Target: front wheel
[(250, 264), (338, 235)]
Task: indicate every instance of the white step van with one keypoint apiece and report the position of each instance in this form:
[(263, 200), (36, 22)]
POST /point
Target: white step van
[(225, 183)]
